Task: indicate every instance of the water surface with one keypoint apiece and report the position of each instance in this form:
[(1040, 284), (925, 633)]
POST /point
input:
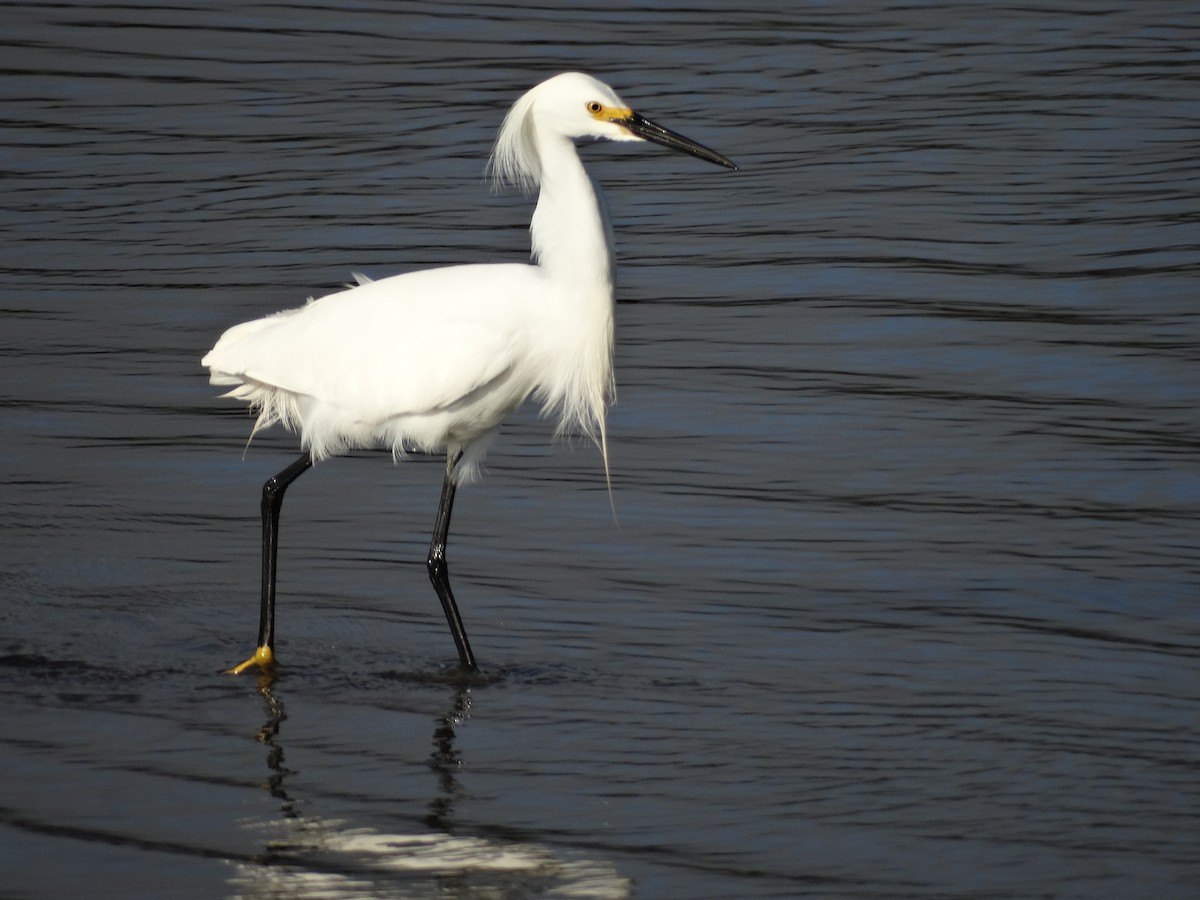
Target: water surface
[(901, 599)]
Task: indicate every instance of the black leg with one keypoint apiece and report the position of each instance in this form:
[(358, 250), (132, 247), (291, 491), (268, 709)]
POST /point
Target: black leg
[(272, 502), (439, 573)]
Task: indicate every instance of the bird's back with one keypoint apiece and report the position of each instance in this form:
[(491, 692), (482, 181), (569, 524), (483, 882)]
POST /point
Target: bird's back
[(424, 359)]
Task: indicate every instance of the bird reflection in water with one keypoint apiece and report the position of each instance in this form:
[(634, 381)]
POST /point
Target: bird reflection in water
[(268, 736), (331, 858), (445, 760)]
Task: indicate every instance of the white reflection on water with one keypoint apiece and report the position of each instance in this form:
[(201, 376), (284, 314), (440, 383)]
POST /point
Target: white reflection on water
[(325, 858), (310, 856)]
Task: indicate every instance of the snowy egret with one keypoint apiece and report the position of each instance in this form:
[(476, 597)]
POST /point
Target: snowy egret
[(433, 361)]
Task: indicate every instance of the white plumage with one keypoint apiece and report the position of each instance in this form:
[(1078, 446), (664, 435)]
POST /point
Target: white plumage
[(430, 361), (435, 360)]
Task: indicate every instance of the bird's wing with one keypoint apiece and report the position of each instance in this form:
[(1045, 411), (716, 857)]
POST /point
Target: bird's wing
[(408, 344)]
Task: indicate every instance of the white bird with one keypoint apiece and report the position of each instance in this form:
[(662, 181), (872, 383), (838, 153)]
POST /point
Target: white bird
[(433, 361)]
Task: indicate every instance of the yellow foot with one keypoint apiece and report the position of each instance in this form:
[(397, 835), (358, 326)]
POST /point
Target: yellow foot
[(263, 658)]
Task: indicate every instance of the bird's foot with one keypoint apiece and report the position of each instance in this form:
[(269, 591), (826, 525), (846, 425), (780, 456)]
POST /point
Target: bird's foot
[(263, 657)]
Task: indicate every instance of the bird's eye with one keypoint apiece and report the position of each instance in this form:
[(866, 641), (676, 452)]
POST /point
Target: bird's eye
[(594, 107)]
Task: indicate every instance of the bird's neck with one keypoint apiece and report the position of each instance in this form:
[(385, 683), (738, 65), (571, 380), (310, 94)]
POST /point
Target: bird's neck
[(571, 237), (572, 245)]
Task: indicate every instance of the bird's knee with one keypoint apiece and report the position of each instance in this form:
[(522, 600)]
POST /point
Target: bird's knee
[(435, 563), (272, 493)]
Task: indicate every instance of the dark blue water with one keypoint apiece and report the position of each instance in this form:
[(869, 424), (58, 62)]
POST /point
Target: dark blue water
[(902, 596)]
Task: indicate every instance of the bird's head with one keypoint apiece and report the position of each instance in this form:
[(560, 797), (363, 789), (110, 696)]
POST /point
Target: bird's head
[(577, 106)]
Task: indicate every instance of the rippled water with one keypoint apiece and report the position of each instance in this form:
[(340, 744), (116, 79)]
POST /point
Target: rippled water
[(902, 599)]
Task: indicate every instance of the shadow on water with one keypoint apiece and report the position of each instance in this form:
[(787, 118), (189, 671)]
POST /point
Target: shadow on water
[(309, 855)]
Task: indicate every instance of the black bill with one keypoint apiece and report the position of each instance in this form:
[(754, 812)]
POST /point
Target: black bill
[(647, 130)]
